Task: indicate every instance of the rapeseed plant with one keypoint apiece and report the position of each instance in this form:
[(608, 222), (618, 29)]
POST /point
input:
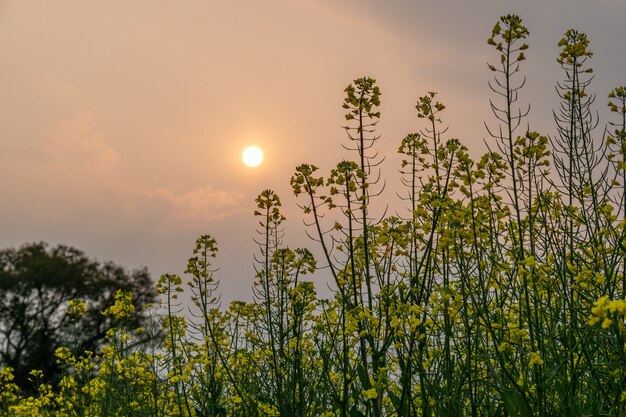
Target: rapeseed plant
[(500, 290)]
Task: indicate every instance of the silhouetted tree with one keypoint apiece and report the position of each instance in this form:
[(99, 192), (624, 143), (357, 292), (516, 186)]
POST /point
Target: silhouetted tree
[(36, 284)]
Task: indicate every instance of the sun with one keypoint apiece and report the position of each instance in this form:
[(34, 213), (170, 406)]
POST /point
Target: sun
[(252, 156)]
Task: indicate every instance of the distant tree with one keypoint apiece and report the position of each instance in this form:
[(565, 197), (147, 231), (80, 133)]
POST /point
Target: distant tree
[(37, 283)]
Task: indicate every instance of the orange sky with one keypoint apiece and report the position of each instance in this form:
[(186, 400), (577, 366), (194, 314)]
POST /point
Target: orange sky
[(123, 121)]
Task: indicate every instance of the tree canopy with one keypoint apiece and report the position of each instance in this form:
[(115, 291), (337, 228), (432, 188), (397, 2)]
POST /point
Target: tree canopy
[(36, 284)]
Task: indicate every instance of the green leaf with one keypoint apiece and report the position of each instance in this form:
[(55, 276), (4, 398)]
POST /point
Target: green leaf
[(354, 412), (510, 404)]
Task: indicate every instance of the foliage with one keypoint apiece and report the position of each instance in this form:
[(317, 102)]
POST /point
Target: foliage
[(39, 292), (500, 288)]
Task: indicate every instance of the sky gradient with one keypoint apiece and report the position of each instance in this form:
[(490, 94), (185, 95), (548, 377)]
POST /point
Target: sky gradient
[(123, 122)]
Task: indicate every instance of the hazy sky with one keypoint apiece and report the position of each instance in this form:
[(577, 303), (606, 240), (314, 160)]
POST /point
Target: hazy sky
[(122, 122)]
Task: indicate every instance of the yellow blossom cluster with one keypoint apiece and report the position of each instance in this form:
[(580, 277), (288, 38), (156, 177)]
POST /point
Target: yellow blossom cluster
[(607, 313)]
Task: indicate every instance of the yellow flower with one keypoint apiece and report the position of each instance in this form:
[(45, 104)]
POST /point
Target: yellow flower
[(598, 308), (123, 307), (369, 393), (618, 306), (593, 320), (535, 359), (76, 308)]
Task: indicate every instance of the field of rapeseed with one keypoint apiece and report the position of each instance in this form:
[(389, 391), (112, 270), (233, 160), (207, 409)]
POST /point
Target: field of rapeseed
[(500, 290)]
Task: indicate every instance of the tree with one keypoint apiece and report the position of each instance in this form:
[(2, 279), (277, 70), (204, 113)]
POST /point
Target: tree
[(37, 283)]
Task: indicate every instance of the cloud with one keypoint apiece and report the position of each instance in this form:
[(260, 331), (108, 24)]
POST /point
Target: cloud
[(70, 171), (75, 141), (201, 203), (72, 142)]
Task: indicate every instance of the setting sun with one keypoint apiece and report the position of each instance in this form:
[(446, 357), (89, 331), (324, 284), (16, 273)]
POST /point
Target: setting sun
[(252, 156)]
